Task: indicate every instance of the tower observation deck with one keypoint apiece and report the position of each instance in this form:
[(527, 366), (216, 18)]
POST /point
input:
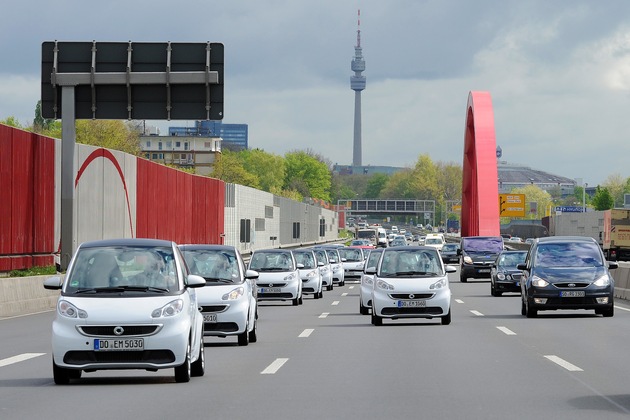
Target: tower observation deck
[(357, 83)]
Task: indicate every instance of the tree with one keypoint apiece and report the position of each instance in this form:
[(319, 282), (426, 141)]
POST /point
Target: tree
[(534, 194), (615, 184), (229, 168), (110, 134), (40, 124), (267, 167), (12, 122), (307, 175), (400, 185), (375, 185), (603, 199)]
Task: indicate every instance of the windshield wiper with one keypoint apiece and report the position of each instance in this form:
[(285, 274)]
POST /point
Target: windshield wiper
[(409, 273), (218, 280), (123, 289)]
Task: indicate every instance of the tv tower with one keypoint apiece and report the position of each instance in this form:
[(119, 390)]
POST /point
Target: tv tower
[(357, 83)]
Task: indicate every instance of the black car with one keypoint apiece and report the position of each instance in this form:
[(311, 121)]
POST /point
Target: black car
[(505, 277), (566, 272), (450, 253), (478, 254)]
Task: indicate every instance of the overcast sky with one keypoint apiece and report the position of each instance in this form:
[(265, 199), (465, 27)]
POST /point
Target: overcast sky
[(558, 72)]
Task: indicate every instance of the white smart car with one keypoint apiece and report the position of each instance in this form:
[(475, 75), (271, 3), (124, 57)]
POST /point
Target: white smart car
[(228, 301), (325, 269), (367, 282), (309, 272), (278, 276), (353, 261), (411, 282), (127, 304)]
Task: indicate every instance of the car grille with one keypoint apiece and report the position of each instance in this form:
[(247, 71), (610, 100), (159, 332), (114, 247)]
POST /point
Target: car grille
[(429, 310), (271, 284), (575, 285), (407, 295), (108, 330), (209, 327), (158, 357), (308, 289), (275, 296), (516, 276), (574, 301), (213, 308)]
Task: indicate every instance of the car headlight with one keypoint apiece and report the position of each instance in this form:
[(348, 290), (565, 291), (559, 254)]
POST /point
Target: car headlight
[(468, 260), (439, 284), (234, 294), (290, 277), (538, 282), (501, 276), (68, 310), (602, 281), (324, 270), (312, 274), (335, 269), (384, 285), (168, 310), (368, 281)]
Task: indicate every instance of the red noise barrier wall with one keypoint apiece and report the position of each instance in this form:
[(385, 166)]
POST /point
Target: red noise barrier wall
[(480, 192), (27, 188), (178, 206)]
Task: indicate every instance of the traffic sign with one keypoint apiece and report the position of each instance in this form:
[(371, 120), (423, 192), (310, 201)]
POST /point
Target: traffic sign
[(570, 209), (512, 205)]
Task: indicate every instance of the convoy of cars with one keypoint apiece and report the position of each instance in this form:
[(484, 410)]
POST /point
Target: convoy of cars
[(147, 304)]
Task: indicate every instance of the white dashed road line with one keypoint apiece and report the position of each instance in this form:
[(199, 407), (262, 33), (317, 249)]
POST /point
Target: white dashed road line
[(344, 294), (476, 313), (306, 333), (459, 301), (324, 314), (561, 362), (351, 287), (335, 303), (274, 367), (506, 330), (19, 358)]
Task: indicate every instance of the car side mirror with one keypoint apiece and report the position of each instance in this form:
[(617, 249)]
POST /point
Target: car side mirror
[(370, 270), (459, 252), (612, 265), (521, 266), (194, 280), (53, 283), (251, 274)]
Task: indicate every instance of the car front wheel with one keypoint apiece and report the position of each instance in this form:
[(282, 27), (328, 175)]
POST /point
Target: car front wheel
[(198, 367), (62, 376), (446, 319), (182, 372), (376, 320)]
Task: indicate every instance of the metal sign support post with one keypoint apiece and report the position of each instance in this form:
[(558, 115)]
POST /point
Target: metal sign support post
[(68, 139)]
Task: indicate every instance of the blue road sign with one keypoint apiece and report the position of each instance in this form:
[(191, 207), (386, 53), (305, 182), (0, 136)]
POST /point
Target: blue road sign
[(570, 209)]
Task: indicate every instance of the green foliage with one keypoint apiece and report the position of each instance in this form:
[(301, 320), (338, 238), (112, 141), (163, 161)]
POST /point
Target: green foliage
[(267, 167), (375, 185), (12, 122), (229, 168), (34, 271), (534, 194), (603, 199), (307, 175), (109, 134)]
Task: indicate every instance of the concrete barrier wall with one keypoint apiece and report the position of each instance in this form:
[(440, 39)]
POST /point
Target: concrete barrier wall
[(25, 295)]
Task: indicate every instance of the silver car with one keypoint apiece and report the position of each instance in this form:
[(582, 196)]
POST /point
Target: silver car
[(325, 269), (367, 282), (309, 272), (127, 304), (228, 301), (278, 276)]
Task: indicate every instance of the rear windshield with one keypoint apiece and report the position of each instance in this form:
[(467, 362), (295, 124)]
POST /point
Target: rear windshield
[(482, 244)]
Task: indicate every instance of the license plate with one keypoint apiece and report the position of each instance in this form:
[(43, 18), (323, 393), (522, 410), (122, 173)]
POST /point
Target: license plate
[(484, 270), (572, 293), (412, 303), (264, 290), (117, 344), (209, 317)]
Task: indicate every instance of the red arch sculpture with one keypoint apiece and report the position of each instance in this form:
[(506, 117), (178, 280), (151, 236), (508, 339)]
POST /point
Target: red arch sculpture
[(480, 193)]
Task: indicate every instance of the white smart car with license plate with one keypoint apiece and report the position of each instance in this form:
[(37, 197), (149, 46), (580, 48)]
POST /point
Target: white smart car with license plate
[(325, 269), (127, 304), (278, 276), (309, 272), (353, 261), (228, 301), (411, 282)]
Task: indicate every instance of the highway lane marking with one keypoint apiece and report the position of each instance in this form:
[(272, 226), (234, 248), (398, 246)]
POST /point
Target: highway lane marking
[(336, 302), (476, 313), (506, 330), (19, 358), (274, 366), (344, 294), (351, 287), (459, 301), (561, 362), (324, 314), (622, 308), (306, 333)]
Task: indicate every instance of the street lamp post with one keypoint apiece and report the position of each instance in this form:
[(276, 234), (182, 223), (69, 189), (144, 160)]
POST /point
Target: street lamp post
[(584, 185)]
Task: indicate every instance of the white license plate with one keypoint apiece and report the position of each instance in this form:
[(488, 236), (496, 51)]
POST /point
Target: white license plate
[(412, 303), (117, 344), (572, 293), (264, 290), (209, 317), (484, 270)]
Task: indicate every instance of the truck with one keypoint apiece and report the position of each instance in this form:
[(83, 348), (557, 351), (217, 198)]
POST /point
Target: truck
[(610, 228), (616, 234), (376, 234)]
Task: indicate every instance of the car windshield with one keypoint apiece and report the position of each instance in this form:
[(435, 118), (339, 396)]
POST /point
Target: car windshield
[(449, 247), (433, 241), (373, 259), (490, 245), (321, 257), (568, 254), (216, 266), (511, 259), (351, 255), (305, 258), (121, 269), (271, 261), (412, 263), (332, 254)]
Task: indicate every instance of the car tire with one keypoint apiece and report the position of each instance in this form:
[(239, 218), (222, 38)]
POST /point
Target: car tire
[(462, 278), (343, 283), (329, 287), (523, 307), (363, 310), (62, 376), (376, 320), (243, 338), (182, 372), (321, 294), (253, 334), (301, 299), (316, 295), (530, 312), (295, 301), (198, 367), (446, 319), (608, 312)]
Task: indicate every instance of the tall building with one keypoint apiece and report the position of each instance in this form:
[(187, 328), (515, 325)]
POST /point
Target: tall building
[(357, 83), (234, 136)]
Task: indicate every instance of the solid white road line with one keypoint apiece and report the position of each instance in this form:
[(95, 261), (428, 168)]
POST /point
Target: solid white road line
[(273, 368), (459, 301), (306, 333), (324, 314), (622, 308), (507, 331), (336, 302), (476, 313), (19, 358), (561, 362)]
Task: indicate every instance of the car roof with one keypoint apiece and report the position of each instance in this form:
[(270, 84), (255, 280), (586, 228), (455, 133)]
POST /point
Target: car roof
[(209, 247), (551, 239), (274, 251), (128, 242)]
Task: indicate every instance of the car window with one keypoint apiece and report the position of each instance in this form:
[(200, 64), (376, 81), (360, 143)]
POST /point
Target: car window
[(410, 263), (213, 265), (511, 259), (373, 259), (305, 258), (570, 254), (268, 261)]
